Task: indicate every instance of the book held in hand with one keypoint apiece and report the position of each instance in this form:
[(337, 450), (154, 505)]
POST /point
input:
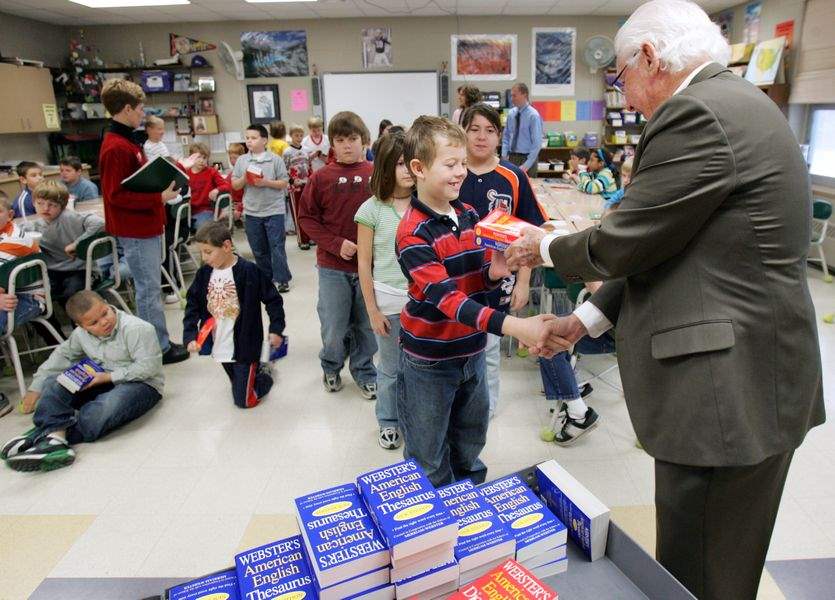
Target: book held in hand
[(79, 375), (509, 581), (585, 516), (253, 174), (535, 528), (499, 229), (223, 584), (155, 176), (342, 541), (275, 570)]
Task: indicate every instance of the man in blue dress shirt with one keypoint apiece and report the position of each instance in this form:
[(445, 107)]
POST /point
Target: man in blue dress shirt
[(522, 137)]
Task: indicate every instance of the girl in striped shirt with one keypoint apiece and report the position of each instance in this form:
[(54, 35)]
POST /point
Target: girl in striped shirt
[(600, 178), (381, 279)]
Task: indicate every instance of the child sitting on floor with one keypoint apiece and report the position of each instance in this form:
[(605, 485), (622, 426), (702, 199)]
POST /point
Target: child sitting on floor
[(230, 290)]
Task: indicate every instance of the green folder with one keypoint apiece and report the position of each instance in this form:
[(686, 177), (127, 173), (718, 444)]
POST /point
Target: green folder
[(155, 176)]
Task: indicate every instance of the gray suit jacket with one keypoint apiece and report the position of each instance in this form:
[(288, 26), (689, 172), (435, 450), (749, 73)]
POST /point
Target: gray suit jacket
[(705, 263)]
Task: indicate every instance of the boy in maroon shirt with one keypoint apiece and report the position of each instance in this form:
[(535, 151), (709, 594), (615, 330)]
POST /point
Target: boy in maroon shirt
[(326, 212), (136, 219)]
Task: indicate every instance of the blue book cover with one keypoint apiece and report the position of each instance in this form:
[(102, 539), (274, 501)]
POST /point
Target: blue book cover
[(378, 593), (223, 584), (586, 517), (80, 374), (482, 537), (535, 527), (406, 508), (340, 536), (275, 570)]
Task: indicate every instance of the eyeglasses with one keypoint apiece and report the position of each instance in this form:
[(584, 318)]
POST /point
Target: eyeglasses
[(617, 83)]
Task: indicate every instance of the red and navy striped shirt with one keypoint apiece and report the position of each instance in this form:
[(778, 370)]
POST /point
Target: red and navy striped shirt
[(447, 313)]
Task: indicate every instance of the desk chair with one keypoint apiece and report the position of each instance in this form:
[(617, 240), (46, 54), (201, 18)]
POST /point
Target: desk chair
[(821, 211), (93, 248), (181, 212), (224, 202), (18, 273)]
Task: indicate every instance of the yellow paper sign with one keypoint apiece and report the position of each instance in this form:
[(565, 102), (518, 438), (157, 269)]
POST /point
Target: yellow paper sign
[(50, 115), (569, 110)]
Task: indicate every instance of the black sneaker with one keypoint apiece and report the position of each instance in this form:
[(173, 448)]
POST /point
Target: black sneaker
[(573, 429), (304, 246), (175, 353), (585, 390), (333, 382), (369, 390), (282, 288), (5, 406), (18, 444), (46, 454)]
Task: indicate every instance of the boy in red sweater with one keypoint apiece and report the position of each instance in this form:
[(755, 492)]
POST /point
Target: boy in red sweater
[(136, 219), (326, 213), (205, 184)]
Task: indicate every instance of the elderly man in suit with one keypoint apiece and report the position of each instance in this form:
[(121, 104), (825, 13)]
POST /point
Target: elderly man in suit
[(705, 277)]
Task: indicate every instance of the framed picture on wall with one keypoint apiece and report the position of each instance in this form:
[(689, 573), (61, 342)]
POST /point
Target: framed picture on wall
[(204, 124), (263, 103), (483, 57)]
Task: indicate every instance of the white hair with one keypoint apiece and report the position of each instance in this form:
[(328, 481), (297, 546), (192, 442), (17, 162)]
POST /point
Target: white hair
[(681, 33)]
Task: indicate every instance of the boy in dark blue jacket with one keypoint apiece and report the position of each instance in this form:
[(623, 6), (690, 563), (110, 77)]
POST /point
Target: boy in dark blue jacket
[(230, 290)]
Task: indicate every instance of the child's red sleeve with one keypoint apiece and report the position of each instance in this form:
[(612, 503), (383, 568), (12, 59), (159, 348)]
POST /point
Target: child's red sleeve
[(115, 165)]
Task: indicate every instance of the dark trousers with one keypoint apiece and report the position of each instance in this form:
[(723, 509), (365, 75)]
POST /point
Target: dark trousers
[(249, 384), (63, 284), (714, 524), (518, 159)]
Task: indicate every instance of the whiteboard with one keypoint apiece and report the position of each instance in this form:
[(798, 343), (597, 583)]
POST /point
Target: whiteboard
[(399, 96)]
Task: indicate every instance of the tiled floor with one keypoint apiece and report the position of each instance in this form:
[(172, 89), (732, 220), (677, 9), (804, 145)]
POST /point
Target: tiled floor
[(179, 492)]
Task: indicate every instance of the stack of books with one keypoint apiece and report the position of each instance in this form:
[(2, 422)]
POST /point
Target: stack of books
[(223, 584), (418, 530), (585, 515), (274, 570), (540, 537), (508, 581), (483, 540), (347, 555)]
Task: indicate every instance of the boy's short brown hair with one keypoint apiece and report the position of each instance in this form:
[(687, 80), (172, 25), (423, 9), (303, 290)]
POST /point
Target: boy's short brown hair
[(200, 148), (278, 130), (116, 94), (53, 191), (213, 233), (347, 123), (5, 201), (71, 161), (80, 304), (23, 167), (387, 151), (420, 139), (236, 148), (294, 127), (315, 122), (153, 121)]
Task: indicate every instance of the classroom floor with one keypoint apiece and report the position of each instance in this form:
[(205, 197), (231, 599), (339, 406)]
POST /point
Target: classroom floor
[(179, 492)]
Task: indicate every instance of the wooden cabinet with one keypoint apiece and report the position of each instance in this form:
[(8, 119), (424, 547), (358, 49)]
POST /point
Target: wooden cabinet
[(23, 92)]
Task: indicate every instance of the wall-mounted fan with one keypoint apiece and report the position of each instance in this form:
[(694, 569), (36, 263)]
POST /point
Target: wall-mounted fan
[(598, 53), (232, 60)]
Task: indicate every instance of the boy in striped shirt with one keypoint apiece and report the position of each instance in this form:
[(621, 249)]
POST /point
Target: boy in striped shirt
[(442, 402)]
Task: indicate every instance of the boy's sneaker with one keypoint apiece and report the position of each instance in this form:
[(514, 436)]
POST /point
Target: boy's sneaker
[(172, 299), (46, 454), (18, 444), (333, 382), (304, 246), (369, 390), (574, 429), (389, 438), (5, 406), (282, 288), (585, 390)]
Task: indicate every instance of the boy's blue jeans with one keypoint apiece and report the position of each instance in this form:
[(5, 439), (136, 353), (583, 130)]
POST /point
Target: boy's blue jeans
[(266, 237), (27, 309), (345, 328), (144, 256), (444, 411), (91, 413), (388, 366), (558, 377)]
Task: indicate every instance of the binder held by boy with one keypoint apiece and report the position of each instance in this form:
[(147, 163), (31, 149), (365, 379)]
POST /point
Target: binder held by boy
[(499, 229), (155, 176)]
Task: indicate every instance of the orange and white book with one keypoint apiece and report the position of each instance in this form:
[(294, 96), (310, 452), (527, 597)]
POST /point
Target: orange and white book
[(499, 229)]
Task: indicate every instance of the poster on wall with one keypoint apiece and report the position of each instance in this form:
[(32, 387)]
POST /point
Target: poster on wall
[(552, 61), (275, 53), (180, 44), (376, 48), (263, 103), (725, 20), (751, 32), (483, 57)]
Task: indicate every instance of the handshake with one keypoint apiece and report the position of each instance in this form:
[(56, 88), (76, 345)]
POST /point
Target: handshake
[(545, 335)]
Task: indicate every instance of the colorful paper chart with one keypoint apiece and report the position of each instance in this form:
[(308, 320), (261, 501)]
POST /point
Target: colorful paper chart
[(570, 110)]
